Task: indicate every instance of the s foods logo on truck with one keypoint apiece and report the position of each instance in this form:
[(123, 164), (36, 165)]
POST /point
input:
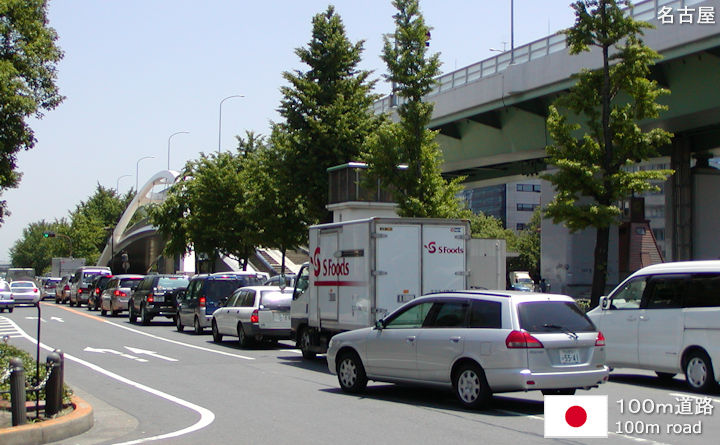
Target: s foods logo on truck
[(328, 266), (432, 247)]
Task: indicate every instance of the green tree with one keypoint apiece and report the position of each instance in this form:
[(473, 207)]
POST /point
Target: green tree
[(28, 56), (89, 219), (36, 251), (327, 112), (527, 245), (277, 213), (419, 189), (205, 210), (591, 177)]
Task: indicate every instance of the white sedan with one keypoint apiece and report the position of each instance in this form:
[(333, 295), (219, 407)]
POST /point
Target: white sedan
[(25, 292), (6, 298)]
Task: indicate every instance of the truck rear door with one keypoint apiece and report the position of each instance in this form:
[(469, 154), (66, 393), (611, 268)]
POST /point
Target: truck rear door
[(444, 253), (397, 266)]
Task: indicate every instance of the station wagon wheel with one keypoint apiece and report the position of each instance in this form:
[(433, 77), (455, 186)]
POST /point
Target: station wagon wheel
[(217, 336), (103, 312), (242, 338), (471, 387), (178, 323), (131, 312), (351, 373), (197, 329), (699, 372)]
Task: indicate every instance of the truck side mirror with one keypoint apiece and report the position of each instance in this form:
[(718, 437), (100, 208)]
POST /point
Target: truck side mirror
[(604, 302)]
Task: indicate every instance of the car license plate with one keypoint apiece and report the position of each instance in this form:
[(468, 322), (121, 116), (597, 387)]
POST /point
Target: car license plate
[(159, 299), (281, 317), (569, 357)]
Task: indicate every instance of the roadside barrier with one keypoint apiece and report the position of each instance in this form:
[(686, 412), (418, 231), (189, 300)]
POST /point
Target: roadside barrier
[(52, 384)]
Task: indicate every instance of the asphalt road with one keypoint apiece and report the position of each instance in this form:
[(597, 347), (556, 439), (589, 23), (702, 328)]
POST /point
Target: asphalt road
[(154, 384)]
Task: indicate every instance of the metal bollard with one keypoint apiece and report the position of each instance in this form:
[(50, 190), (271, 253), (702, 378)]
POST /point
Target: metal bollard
[(61, 377), (17, 392), (53, 388)]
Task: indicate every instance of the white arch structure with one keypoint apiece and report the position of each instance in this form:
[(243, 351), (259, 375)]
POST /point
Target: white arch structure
[(146, 195)]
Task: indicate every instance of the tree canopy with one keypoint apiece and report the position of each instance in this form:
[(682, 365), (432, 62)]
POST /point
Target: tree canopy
[(28, 58), (404, 155), (595, 127), (326, 111)]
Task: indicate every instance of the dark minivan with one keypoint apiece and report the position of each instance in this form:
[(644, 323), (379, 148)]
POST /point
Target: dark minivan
[(155, 296), (206, 293)]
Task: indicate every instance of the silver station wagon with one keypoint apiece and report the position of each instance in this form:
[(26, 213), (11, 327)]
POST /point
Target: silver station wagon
[(477, 343)]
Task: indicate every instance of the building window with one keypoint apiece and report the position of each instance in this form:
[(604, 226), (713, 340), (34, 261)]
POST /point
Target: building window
[(528, 188), (659, 234), (526, 207), (520, 226)]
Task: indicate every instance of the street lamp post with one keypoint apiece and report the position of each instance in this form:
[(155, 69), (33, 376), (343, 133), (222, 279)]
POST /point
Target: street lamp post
[(137, 167), (220, 118), (179, 132), (117, 183)]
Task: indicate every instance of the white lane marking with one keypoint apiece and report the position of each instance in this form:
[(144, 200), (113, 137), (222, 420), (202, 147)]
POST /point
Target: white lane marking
[(57, 319), (610, 433), (157, 337), (112, 351), (150, 353), (206, 416), (296, 351), (693, 396)]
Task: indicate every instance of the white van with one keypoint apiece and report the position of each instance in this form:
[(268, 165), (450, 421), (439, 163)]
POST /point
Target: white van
[(666, 318)]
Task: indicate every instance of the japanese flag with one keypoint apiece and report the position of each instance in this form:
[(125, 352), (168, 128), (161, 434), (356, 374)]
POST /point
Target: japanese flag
[(576, 416)]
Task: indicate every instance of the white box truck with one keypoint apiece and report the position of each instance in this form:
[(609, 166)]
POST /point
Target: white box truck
[(361, 270), (65, 266)]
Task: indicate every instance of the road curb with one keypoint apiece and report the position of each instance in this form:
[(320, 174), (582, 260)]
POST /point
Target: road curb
[(69, 425)]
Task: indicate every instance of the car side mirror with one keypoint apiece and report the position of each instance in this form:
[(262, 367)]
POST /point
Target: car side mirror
[(380, 324), (604, 302)]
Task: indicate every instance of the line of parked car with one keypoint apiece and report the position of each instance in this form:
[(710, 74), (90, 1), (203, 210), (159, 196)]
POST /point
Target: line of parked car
[(248, 305)]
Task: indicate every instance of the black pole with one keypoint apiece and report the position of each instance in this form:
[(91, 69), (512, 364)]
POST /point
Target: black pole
[(17, 392), (37, 363), (53, 389)]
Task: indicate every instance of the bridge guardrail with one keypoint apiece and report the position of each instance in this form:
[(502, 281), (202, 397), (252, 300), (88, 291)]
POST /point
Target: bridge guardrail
[(645, 10)]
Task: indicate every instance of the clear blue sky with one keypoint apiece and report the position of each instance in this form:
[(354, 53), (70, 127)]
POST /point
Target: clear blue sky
[(137, 71)]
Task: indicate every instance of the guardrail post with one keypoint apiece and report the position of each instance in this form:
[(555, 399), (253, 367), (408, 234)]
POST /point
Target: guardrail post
[(53, 388), (17, 392)]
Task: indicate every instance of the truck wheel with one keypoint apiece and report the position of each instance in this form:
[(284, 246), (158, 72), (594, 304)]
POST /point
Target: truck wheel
[(471, 387), (304, 344), (351, 373), (144, 316), (217, 336), (178, 323), (699, 372)]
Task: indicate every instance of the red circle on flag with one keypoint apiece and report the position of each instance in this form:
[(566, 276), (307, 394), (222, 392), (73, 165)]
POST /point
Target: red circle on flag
[(576, 416)]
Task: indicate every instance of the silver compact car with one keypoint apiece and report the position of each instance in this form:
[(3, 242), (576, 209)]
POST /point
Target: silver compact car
[(25, 292), (115, 297), (254, 314), (477, 343), (6, 297)]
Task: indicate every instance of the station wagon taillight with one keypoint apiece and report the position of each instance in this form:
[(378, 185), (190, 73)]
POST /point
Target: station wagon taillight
[(600, 341), (254, 317), (79, 291), (151, 298), (202, 301), (119, 293), (522, 340)]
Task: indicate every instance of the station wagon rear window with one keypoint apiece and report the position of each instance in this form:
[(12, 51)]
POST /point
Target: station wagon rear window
[(275, 300), (553, 316)]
